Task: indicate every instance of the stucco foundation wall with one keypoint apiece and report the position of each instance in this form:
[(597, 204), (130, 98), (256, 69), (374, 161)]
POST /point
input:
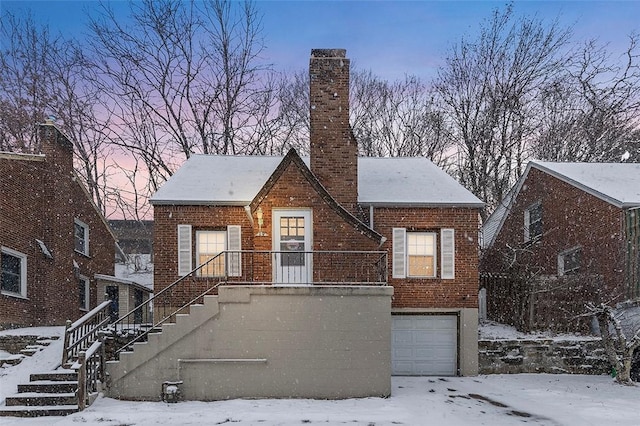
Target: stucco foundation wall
[(543, 356), (269, 342)]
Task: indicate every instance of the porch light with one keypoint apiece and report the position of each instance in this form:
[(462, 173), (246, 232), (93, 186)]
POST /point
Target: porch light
[(260, 223)]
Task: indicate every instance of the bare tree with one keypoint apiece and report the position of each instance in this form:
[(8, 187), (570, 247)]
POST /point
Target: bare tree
[(618, 348), (397, 118), (591, 113), (182, 78), (40, 76), (389, 119), (488, 88)]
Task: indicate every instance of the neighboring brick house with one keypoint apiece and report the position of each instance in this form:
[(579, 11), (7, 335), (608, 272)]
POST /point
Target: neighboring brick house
[(567, 234), (326, 220), (53, 239)]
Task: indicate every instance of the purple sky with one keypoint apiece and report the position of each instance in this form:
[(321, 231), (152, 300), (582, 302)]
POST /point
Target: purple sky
[(390, 38)]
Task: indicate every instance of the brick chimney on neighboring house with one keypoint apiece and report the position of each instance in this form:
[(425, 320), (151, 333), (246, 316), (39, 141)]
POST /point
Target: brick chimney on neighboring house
[(334, 150)]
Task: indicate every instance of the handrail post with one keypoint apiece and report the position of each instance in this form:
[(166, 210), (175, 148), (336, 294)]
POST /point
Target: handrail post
[(103, 356), (65, 355), (82, 381)]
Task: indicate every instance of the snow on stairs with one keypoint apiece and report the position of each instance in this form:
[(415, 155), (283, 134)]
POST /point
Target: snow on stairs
[(47, 394)]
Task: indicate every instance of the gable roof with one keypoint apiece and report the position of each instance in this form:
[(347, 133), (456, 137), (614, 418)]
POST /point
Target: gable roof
[(236, 180), (615, 183), (292, 158)]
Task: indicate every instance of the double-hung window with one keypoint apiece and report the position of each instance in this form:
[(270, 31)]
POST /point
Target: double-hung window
[(423, 254), (533, 222), (83, 292), (210, 244), (81, 237), (223, 246), (13, 280)]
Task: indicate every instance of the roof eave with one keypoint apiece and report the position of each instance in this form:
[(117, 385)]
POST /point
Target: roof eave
[(422, 205), (234, 203)]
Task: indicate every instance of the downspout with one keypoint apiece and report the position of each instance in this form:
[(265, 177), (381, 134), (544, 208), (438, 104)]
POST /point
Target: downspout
[(247, 210)]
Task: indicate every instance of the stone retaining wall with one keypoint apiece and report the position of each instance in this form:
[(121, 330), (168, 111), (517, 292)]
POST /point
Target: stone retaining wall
[(542, 356)]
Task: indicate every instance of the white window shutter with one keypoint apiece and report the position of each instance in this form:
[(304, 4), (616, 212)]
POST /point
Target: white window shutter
[(448, 254), (527, 222), (234, 243), (399, 255), (184, 250)]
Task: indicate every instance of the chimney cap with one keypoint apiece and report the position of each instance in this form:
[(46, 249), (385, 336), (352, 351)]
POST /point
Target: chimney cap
[(328, 53)]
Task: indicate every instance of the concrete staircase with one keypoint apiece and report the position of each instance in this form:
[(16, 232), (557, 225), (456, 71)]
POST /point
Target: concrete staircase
[(47, 394), (158, 342)]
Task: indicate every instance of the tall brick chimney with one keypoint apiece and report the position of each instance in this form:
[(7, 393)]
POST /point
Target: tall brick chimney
[(334, 151)]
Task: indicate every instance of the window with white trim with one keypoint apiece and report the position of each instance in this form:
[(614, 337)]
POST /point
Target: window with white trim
[(421, 254), (81, 237), (209, 244), (13, 280), (83, 292), (569, 261), (415, 254), (533, 222)]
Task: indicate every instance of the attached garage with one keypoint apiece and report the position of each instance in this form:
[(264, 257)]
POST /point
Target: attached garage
[(424, 345)]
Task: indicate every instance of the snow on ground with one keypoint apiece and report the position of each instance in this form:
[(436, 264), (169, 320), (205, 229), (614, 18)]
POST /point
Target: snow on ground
[(490, 330), (45, 360), (496, 400)]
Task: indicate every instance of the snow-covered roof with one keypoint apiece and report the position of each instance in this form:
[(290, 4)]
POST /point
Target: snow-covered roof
[(492, 225), (616, 183), (141, 285), (235, 180)]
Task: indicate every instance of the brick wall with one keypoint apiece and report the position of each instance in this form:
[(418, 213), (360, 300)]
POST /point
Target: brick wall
[(291, 191), (461, 292), (570, 218), (334, 150), (39, 198), (331, 232)]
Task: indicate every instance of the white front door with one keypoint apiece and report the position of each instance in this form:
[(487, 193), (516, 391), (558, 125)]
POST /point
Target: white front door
[(292, 246)]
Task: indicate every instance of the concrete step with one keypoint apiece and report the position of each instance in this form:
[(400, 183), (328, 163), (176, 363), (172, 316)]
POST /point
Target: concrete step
[(38, 411), (40, 399), (49, 386), (57, 376)]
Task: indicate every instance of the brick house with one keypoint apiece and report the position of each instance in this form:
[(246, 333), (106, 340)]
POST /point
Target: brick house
[(311, 221), (53, 239), (567, 234)]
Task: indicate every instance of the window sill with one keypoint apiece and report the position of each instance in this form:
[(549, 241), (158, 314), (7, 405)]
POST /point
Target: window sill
[(14, 295), (82, 254)]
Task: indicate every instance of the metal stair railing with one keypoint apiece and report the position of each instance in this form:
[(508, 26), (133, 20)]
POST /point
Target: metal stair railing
[(136, 324), (235, 267)]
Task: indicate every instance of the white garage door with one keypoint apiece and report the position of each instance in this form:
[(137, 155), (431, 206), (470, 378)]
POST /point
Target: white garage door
[(424, 345)]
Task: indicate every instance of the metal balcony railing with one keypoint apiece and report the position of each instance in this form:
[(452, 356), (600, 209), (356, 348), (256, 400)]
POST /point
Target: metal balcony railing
[(248, 267)]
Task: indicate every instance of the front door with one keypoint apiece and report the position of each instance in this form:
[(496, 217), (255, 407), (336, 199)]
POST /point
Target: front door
[(292, 246)]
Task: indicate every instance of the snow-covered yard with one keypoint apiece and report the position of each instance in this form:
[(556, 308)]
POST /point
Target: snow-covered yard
[(539, 399)]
